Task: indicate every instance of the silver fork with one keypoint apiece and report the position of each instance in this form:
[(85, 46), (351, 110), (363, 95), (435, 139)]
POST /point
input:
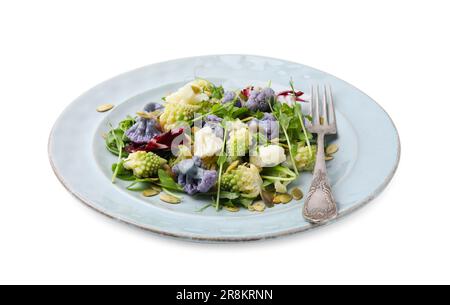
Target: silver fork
[(320, 205)]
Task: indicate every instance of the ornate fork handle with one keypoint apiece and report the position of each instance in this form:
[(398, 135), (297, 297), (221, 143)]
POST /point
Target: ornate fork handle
[(320, 205)]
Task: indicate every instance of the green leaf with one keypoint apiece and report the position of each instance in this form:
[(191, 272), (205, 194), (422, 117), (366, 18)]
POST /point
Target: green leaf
[(239, 112), (222, 159), (217, 92), (245, 202), (122, 172), (284, 120), (167, 181), (126, 124), (229, 195)]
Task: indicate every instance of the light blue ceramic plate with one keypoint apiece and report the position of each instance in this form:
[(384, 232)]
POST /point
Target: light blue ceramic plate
[(368, 156)]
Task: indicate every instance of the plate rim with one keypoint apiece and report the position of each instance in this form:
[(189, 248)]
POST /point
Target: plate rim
[(229, 239)]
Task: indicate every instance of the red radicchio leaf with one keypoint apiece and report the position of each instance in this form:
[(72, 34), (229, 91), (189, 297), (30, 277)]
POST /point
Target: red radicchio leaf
[(246, 92), (163, 141), (159, 142), (297, 94), (134, 147), (290, 92)]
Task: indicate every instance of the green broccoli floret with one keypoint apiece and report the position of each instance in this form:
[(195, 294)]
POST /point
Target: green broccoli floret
[(304, 159), (244, 179), (144, 164)]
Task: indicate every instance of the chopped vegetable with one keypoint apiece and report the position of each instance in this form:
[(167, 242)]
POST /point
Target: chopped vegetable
[(239, 140), (144, 164), (143, 131), (260, 99), (206, 144), (268, 156), (304, 160), (193, 177), (245, 180), (231, 96)]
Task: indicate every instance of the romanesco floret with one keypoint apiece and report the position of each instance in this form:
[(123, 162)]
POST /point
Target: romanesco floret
[(304, 160), (182, 104), (245, 180), (175, 113), (239, 140), (144, 164)]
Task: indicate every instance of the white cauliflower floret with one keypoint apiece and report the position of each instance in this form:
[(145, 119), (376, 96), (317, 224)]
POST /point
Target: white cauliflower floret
[(191, 93), (206, 143), (268, 156), (239, 139)]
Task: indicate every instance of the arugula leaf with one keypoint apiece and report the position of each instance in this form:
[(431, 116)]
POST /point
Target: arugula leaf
[(204, 207), (238, 112), (221, 161), (229, 195), (126, 124), (114, 139), (165, 181), (217, 92), (306, 135), (122, 172), (120, 146), (245, 202), (283, 113)]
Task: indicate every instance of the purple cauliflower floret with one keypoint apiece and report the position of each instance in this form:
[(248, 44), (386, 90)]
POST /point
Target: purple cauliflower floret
[(232, 96), (150, 107), (213, 122), (193, 177), (259, 99), (267, 125), (144, 129)]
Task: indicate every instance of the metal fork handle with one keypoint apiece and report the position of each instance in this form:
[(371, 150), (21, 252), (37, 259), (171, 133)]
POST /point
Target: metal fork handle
[(320, 205)]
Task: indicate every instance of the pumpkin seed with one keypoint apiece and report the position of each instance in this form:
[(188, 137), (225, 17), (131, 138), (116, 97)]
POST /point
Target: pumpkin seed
[(297, 193), (149, 115), (258, 206), (232, 166), (282, 198), (105, 107), (150, 193), (267, 197), (331, 149), (329, 158), (196, 89), (232, 209), (156, 188), (169, 198)]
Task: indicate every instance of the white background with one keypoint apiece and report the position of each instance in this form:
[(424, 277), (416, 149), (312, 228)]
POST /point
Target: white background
[(395, 51)]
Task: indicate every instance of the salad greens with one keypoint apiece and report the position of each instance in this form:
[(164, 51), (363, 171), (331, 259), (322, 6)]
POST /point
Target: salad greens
[(241, 148)]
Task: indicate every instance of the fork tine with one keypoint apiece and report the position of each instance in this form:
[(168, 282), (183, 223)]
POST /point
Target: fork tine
[(324, 106), (316, 115), (311, 107), (331, 105)]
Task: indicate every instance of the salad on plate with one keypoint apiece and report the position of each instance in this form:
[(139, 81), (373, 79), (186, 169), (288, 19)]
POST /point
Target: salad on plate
[(241, 148)]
